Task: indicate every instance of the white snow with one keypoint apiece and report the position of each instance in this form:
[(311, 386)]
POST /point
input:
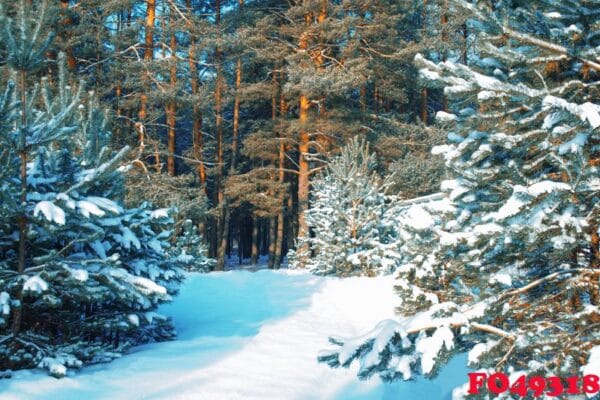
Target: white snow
[(512, 207), (160, 213), (105, 204), (247, 336), (35, 284), (542, 187), (479, 349), (134, 319), (5, 303), (430, 346), (593, 364), (589, 112), (80, 274), (442, 116), (417, 218), (50, 211), (87, 208)]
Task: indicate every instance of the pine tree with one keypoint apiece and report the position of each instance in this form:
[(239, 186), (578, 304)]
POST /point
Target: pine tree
[(509, 270), (351, 235), (80, 274)]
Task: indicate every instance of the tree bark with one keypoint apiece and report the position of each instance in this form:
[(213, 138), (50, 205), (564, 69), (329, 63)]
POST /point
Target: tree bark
[(281, 175), (172, 110), (220, 226), (197, 138), (254, 251), (272, 241), (67, 22), (148, 51), (304, 167)]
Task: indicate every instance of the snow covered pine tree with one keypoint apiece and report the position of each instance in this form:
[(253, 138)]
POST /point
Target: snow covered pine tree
[(507, 272), (350, 235), (79, 274)]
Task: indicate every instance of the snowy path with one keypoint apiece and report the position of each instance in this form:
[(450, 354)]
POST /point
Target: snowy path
[(246, 336)]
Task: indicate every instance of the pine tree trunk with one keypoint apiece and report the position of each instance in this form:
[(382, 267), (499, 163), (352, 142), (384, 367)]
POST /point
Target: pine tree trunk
[(197, 138), (171, 109), (254, 250), (280, 216), (119, 112), (363, 98), (272, 241), (234, 149), (67, 22), (304, 168), (148, 51), (220, 225)]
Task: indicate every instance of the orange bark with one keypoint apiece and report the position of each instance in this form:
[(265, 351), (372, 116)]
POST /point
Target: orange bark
[(148, 49), (68, 21)]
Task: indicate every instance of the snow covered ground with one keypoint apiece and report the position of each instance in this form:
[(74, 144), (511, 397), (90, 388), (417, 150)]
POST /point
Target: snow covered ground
[(248, 335)]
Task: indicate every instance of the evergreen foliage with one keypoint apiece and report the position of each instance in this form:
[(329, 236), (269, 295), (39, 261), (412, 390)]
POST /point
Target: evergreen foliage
[(506, 267), (351, 235), (92, 271)]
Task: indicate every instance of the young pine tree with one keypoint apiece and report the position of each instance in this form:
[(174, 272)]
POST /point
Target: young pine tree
[(350, 234), (80, 274)]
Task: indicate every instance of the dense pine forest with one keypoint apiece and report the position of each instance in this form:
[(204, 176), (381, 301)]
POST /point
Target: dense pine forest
[(452, 144)]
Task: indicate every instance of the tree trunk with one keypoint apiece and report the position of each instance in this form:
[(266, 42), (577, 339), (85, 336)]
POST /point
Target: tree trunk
[(254, 251), (68, 21), (171, 109), (197, 138), (148, 50), (280, 216), (234, 149), (219, 201), (272, 241), (304, 167), (363, 97)]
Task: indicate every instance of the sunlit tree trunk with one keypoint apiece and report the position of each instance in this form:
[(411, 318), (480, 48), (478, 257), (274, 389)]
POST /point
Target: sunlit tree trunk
[(219, 201), (281, 175), (148, 51), (233, 164)]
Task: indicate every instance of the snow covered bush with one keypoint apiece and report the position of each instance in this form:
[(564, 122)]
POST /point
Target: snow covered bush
[(508, 268), (80, 275), (350, 235)]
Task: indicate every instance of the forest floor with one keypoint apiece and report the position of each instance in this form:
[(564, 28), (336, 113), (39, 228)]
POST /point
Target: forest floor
[(248, 335)]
